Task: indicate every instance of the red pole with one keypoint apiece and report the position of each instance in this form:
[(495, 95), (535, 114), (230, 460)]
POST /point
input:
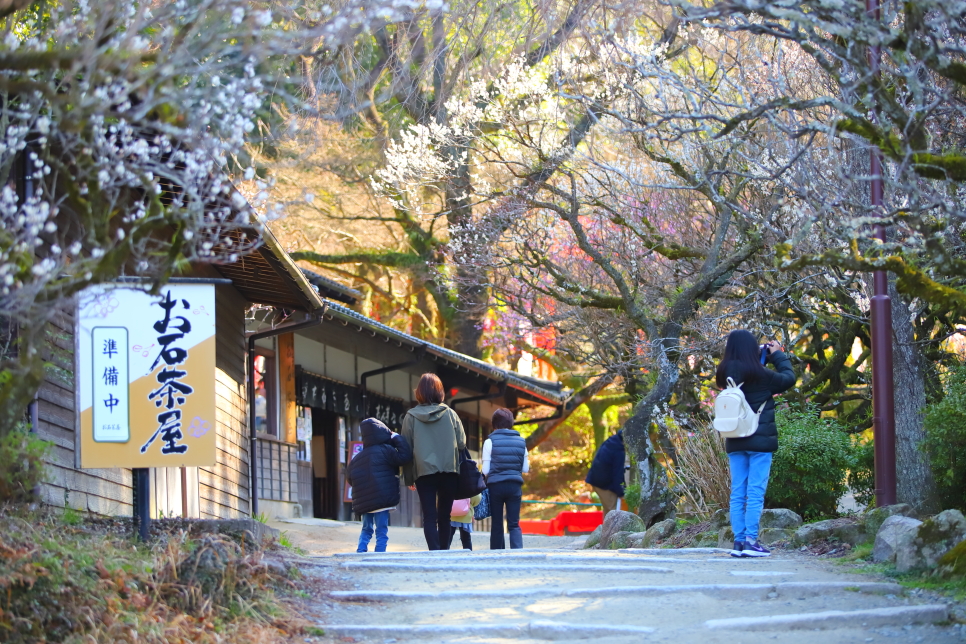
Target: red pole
[(883, 403)]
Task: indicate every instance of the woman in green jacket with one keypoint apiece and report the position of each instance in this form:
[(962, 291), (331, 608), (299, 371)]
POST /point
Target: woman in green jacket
[(436, 434)]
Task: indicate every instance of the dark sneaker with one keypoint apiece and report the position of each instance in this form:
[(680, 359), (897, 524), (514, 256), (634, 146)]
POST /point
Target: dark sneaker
[(754, 549), (739, 546)]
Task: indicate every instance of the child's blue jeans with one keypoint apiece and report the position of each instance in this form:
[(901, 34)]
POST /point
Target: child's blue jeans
[(749, 479), (381, 522)]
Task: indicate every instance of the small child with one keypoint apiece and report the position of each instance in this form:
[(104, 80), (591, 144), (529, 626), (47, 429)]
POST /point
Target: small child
[(462, 519), (373, 474)]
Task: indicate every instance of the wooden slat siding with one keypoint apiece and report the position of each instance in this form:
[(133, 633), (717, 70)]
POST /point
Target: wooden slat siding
[(224, 488), (101, 491)]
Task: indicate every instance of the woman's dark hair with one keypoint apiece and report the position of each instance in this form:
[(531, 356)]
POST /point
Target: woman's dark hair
[(742, 359), (502, 419), (430, 390)]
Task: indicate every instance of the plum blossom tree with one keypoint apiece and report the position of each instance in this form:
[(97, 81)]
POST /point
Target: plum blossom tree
[(632, 247), (120, 128), (394, 85)]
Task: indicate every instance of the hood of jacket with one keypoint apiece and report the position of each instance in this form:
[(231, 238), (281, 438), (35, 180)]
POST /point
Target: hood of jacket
[(374, 432), (428, 413)]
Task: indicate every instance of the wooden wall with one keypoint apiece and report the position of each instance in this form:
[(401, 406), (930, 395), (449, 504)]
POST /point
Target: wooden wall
[(224, 488), (101, 491)]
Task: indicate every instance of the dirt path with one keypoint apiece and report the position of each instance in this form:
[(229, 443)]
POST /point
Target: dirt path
[(540, 594)]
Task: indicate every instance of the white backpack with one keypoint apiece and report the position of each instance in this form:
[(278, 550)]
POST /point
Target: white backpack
[(733, 416)]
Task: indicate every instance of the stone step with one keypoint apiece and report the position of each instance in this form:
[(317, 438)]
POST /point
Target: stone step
[(554, 630), (834, 619), (728, 592), (536, 630), (550, 558), (390, 566)]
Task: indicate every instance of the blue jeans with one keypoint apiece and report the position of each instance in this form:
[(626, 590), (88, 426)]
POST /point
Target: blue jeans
[(381, 521), (749, 478)]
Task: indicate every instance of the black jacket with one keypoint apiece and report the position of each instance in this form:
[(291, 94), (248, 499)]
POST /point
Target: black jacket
[(760, 391), (607, 470), (373, 473)]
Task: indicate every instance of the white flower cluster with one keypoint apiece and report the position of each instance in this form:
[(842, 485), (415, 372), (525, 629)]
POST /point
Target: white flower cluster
[(124, 151)]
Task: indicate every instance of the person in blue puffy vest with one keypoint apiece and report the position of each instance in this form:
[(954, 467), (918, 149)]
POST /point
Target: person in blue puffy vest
[(373, 474), (606, 473)]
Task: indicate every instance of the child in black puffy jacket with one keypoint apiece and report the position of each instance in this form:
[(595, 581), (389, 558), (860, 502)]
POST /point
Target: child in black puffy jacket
[(373, 474)]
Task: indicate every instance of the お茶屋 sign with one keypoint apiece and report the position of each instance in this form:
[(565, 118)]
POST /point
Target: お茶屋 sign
[(146, 376)]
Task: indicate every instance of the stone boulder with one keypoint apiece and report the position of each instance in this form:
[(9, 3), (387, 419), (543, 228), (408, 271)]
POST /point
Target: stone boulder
[(636, 540), (872, 520), (619, 540), (721, 519), (779, 518), (707, 539), (844, 530), (934, 538), (769, 536), (620, 521), (659, 532), (953, 563), (726, 538), (897, 531), (593, 539)]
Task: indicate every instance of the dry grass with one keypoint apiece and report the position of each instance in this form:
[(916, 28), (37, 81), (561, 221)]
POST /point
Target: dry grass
[(701, 473), (90, 583)]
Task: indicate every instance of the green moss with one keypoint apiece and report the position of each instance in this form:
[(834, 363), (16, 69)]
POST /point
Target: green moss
[(953, 563)]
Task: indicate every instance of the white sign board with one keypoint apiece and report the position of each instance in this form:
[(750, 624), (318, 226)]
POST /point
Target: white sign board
[(146, 376)]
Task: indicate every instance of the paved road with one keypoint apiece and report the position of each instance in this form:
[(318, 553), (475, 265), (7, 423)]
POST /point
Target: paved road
[(680, 596)]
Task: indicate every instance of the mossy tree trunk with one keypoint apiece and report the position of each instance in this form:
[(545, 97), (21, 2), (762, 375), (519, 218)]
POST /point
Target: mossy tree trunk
[(915, 482)]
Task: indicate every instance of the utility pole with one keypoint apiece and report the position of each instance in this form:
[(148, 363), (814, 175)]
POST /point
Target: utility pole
[(883, 402)]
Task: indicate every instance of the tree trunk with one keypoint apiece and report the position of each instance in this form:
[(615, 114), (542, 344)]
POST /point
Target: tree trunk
[(915, 483), (657, 500)]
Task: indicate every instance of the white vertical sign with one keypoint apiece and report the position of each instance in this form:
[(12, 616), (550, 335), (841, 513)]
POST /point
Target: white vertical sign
[(110, 385)]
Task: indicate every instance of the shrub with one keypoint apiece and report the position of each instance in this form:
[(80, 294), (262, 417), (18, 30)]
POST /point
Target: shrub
[(22, 469), (809, 469), (862, 474), (701, 474), (944, 423)]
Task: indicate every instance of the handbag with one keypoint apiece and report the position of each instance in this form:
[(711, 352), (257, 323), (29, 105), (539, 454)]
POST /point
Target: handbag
[(482, 510), (470, 478), (460, 507)]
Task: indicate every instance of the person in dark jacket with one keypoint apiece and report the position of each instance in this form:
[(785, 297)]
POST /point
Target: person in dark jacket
[(373, 474), (504, 463), (606, 473), (750, 457)]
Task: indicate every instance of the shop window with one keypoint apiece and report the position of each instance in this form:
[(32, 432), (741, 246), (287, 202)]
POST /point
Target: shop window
[(266, 392)]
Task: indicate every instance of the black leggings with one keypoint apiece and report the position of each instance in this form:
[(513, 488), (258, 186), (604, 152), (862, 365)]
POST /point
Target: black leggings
[(466, 538), (436, 495)]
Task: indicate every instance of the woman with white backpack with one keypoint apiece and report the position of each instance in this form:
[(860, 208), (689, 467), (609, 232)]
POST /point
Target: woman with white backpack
[(748, 425)]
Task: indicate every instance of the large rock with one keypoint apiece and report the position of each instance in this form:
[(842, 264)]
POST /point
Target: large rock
[(659, 532), (636, 540), (896, 532), (620, 540), (769, 536), (707, 539), (844, 530), (721, 519), (593, 539), (934, 538), (953, 563), (620, 521), (779, 518), (726, 538), (873, 519)]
